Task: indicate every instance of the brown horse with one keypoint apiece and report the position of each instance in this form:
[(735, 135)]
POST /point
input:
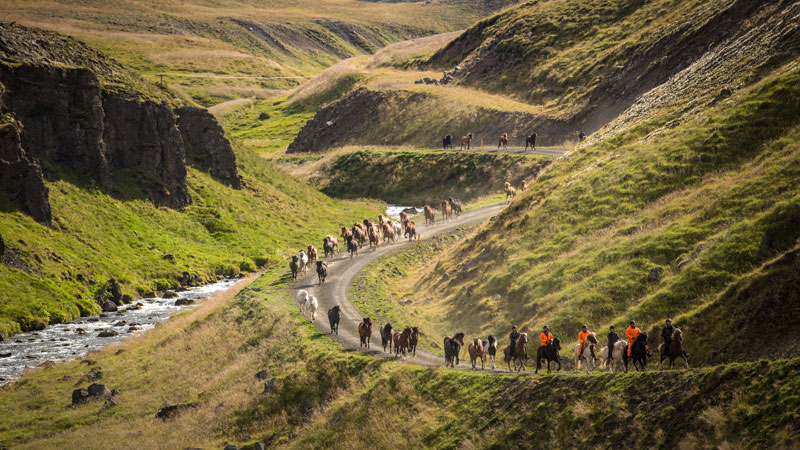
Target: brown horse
[(430, 215), (503, 141), (414, 340), (312, 253), (509, 190), (374, 236), (524, 186), (674, 350), (402, 341), (476, 352), (365, 331), (519, 353), (386, 337), (411, 230), (466, 141), (447, 211)]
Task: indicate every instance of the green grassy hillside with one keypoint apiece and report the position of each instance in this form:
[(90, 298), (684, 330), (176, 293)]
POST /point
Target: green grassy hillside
[(55, 273), (709, 201), (418, 177), (323, 397)]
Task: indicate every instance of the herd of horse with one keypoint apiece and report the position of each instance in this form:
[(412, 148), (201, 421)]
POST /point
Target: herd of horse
[(502, 141)]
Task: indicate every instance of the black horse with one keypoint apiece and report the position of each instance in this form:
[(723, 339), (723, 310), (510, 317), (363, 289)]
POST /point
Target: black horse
[(414, 340), (550, 353), (322, 271), (530, 140), (639, 352), (447, 141), (333, 319)]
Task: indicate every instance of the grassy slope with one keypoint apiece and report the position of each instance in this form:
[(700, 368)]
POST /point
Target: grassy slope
[(222, 232), (417, 176), (323, 397), (719, 191), (216, 52)]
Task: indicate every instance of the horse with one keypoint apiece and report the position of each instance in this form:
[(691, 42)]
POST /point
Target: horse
[(491, 349), (550, 353), (397, 228), (638, 352), (404, 218), (509, 190), (374, 236), (346, 233), (352, 246), (519, 354), (620, 349), (365, 331), (430, 214), (503, 141), (476, 352), (524, 186), (329, 244), (530, 140), (312, 253), (447, 141), (446, 210), (588, 353), (412, 343), (333, 319), (311, 306), (300, 298), (294, 266), (455, 206), (452, 348), (386, 337), (411, 230), (674, 351), (322, 271), (466, 141), (359, 234), (303, 260), (402, 341), (388, 232)]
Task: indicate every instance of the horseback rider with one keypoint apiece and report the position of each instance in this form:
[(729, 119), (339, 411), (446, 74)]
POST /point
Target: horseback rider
[(631, 334), (613, 337), (546, 338), (513, 337), (581, 339), (666, 335)]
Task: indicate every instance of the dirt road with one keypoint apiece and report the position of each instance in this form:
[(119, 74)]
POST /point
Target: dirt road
[(342, 270)]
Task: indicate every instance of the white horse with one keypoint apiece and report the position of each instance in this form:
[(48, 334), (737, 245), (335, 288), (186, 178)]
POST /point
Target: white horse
[(300, 298), (620, 347), (311, 306), (588, 347), (398, 229), (303, 260)]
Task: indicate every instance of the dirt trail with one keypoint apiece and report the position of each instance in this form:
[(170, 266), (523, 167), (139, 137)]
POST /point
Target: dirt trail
[(342, 270)]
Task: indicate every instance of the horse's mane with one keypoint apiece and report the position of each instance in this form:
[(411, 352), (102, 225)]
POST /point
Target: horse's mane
[(592, 338)]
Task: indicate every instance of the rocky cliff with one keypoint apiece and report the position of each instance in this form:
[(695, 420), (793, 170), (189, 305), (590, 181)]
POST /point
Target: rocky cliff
[(82, 110), (20, 177), (206, 146)]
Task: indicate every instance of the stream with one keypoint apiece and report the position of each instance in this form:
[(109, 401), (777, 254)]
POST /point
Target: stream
[(61, 342)]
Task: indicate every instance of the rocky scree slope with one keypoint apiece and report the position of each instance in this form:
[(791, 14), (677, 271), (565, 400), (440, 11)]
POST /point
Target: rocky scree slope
[(587, 62), (82, 110)]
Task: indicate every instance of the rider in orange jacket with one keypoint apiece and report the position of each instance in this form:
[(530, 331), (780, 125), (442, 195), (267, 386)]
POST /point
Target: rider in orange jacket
[(631, 334), (546, 338), (581, 339)]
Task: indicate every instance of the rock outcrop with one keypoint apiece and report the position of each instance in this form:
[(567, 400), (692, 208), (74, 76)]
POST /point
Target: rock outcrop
[(21, 178), (73, 112), (206, 145)]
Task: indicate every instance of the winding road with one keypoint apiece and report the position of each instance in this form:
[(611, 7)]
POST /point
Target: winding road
[(342, 270)]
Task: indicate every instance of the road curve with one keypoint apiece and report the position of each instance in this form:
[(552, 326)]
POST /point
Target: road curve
[(342, 270)]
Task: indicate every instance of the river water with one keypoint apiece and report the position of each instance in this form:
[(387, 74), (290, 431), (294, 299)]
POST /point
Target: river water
[(393, 211), (63, 342)]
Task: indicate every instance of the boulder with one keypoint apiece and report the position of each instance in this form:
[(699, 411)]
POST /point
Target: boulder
[(259, 446), (269, 385), (98, 390), (108, 333), (206, 145), (5, 355), (115, 291), (170, 294), (655, 274), (80, 331), (263, 116), (262, 375), (109, 306), (231, 447), (171, 411), (184, 302), (80, 396)]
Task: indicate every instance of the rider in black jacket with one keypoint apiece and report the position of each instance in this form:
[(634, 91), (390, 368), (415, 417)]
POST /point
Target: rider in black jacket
[(666, 335)]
